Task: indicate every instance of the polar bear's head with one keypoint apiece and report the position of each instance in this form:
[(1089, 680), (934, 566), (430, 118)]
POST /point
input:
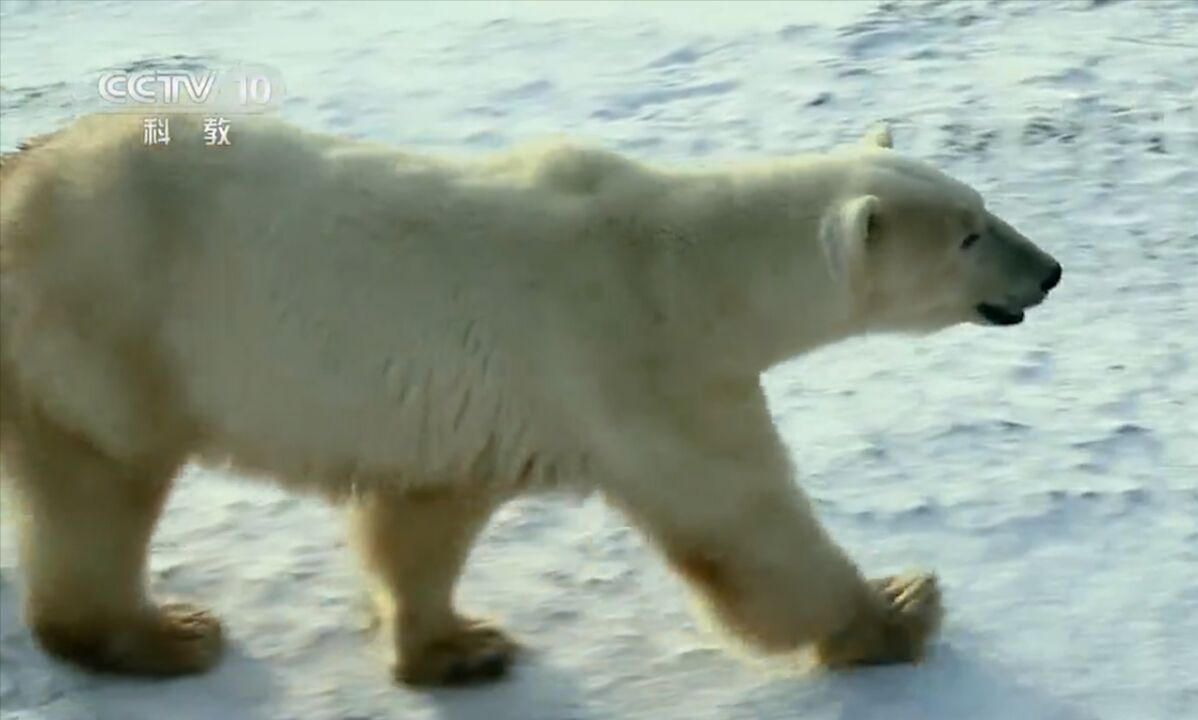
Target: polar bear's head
[(918, 250)]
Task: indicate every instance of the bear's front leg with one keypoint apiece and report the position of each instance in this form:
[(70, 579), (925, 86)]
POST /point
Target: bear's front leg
[(415, 546), (713, 490)]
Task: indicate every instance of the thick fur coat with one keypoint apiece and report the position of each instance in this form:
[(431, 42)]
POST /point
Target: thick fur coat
[(423, 338)]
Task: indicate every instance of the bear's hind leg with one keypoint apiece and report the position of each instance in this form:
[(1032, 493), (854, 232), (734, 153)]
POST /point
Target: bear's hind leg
[(85, 522), (415, 546)]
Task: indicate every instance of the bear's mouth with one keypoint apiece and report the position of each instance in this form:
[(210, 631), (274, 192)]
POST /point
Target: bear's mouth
[(996, 315)]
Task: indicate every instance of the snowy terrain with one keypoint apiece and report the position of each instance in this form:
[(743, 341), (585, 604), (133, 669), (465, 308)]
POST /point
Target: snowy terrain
[(1049, 472)]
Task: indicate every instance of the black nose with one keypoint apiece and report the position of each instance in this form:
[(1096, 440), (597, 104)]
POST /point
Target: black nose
[(1053, 279)]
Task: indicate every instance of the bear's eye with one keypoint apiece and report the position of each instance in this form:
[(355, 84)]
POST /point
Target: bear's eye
[(970, 239)]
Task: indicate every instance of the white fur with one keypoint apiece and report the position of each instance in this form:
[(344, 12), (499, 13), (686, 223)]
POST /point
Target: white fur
[(328, 308), (352, 319)]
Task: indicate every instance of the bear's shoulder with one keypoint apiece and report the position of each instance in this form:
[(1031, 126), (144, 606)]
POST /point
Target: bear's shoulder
[(568, 166)]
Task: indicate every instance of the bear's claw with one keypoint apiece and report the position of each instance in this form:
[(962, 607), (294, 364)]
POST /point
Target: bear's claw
[(893, 625)]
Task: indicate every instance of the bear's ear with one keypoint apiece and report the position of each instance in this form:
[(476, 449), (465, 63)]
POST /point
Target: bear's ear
[(879, 136), (846, 237), (861, 219)]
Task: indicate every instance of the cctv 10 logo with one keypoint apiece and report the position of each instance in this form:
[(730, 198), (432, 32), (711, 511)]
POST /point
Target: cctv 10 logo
[(240, 89)]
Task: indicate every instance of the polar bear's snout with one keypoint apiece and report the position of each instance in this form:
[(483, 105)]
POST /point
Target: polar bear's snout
[(1016, 275), (1011, 312)]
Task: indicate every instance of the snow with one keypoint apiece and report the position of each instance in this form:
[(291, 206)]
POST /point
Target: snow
[(1048, 472)]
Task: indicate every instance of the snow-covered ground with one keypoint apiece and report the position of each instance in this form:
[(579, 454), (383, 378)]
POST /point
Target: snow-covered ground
[(1049, 472)]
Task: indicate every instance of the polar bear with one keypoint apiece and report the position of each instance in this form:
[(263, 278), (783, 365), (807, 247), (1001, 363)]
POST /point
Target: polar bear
[(422, 338)]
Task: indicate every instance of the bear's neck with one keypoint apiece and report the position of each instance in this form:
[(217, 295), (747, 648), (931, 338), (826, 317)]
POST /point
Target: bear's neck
[(741, 268)]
